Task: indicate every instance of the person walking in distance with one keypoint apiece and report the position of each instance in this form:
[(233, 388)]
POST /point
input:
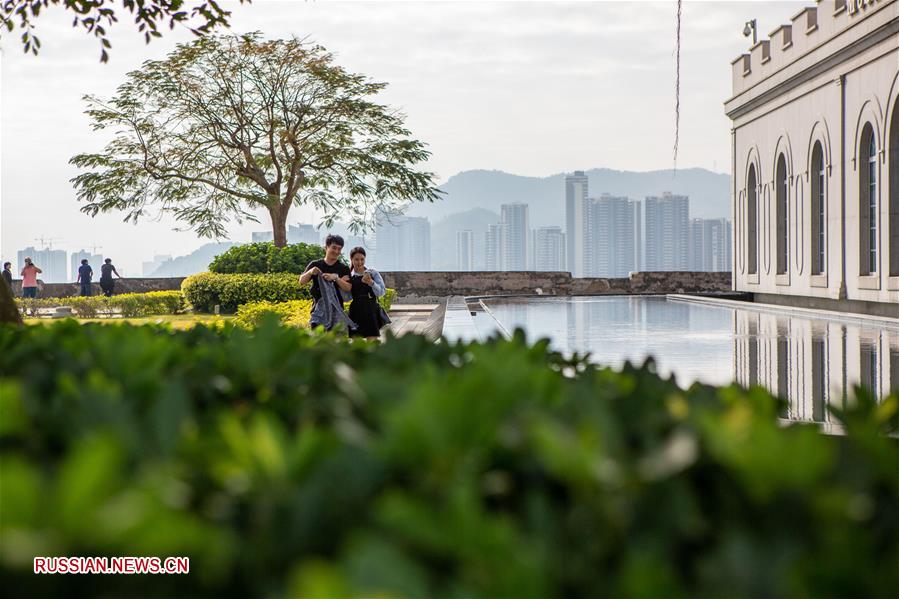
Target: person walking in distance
[(29, 278), (85, 275), (7, 274), (107, 284)]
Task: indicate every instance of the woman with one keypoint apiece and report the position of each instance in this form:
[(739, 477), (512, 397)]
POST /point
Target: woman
[(29, 278), (368, 286), (107, 284)]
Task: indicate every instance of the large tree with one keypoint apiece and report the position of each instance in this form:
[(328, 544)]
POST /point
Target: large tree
[(228, 125)]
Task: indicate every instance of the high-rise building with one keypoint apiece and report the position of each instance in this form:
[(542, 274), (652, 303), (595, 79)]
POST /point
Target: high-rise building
[(493, 250), (95, 260), (611, 248), (298, 233), (148, 268), (465, 250), (549, 249), (514, 218), (303, 234), (402, 242), (667, 232), (51, 262), (710, 242), (576, 194)]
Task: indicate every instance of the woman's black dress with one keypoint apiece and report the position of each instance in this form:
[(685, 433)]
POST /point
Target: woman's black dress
[(364, 310)]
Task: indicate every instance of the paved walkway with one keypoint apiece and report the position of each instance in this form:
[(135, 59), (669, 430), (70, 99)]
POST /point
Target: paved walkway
[(410, 318)]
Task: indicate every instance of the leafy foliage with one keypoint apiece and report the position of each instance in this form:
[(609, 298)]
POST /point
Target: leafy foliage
[(96, 15), (267, 257), (228, 125), (291, 464), (125, 304), (293, 313), (205, 290)]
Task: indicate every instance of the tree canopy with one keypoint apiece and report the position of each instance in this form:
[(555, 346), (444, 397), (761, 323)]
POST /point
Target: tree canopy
[(226, 125), (96, 16)]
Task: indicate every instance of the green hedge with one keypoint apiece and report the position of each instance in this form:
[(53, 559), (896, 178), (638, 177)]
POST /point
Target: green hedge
[(125, 304), (258, 258), (285, 463), (294, 313), (203, 291)]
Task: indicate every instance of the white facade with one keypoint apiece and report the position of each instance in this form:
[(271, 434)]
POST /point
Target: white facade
[(576, 201), (516, 229), (465, 250), (667, 229), (815, 147), (549, 249)]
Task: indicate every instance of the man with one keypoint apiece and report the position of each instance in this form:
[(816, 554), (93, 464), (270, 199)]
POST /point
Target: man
[(7, 274), (107, 284), (29, 278), (327, 271), (85, 274)]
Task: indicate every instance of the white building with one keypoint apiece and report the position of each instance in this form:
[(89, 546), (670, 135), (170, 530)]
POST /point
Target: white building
[(493, 250), (815, 147), (612, 232), (51, 262), (516, 229), (549, 249), (667, 232), (465, 250), (710, 244), (402, 242), (576, 201)]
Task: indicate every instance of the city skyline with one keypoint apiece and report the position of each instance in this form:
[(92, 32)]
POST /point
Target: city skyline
[(450, 97)]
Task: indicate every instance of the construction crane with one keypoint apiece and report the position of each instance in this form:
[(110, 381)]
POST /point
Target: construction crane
[(47, 242)]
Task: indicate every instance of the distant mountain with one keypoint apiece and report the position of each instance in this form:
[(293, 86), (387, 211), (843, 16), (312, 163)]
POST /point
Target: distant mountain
[(709, 192), (443, 237), (196, 261)]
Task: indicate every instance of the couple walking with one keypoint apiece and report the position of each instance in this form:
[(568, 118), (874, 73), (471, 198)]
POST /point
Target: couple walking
[(333, 281)]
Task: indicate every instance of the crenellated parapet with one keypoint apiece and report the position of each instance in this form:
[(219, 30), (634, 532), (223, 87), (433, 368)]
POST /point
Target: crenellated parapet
[(812, 30)]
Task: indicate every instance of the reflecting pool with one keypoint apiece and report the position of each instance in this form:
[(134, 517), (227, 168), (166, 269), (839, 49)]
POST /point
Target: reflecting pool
[(806, 359)]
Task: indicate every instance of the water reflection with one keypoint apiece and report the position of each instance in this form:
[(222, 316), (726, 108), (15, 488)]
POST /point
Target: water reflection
[(807, 361)]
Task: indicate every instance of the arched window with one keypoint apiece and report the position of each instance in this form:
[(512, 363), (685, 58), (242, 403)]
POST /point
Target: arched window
[(819, 204), (868, 202), (752, 234), (781, 194), (894, 191)]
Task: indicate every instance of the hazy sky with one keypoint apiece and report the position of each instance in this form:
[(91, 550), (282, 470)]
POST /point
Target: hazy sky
[(531, 88)]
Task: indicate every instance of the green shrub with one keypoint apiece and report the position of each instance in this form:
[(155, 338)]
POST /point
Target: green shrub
[(294, 313), (258, 258), (286, 463), (125, 304), (203, 291)]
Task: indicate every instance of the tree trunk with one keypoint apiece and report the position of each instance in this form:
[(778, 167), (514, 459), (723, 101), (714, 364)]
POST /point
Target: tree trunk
[(279, 226), (8, 310)]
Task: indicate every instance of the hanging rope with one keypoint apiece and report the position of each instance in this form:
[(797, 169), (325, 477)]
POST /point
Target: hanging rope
[(677, 89)]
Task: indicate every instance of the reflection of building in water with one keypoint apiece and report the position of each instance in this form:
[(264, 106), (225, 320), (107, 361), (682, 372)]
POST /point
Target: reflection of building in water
[(810, 362)]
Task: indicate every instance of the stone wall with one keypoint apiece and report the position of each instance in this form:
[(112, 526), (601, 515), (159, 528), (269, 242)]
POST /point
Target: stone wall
[(127, 285), (441, 284), (444, 284)]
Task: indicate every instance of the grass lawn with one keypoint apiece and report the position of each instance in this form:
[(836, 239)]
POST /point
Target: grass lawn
[(177, 321)]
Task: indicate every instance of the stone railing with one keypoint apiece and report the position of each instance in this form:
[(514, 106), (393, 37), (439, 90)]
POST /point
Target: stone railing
[(449, 283), (440, 284)]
